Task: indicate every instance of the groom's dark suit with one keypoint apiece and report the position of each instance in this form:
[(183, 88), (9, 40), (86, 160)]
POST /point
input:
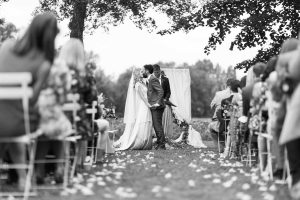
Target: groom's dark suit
[(155, 95), (166, 87)]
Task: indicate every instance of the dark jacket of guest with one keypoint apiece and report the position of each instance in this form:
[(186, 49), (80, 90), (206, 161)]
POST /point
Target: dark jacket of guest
[(224, 121), (247, 94), (166, 87)]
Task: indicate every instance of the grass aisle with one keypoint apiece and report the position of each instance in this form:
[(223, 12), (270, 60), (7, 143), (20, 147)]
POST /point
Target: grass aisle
[(172, 174)]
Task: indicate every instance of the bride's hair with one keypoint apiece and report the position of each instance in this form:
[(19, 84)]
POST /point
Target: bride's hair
[(136, 75)]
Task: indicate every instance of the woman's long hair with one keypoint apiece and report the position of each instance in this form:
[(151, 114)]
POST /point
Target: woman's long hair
[(136, 75), (40, 36), (73, 54)]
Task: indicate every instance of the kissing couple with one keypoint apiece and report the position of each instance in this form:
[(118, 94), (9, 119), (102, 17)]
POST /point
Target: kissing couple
[(143, 111)]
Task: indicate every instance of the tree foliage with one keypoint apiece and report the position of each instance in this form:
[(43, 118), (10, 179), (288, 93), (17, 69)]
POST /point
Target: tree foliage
[(7, 30), (262, 23), (92, 14)]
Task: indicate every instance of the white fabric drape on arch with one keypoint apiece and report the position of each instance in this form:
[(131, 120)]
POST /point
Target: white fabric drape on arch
[(180, 84)]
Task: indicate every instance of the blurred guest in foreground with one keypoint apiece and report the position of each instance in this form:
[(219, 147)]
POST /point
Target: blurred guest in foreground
[(33, 53), (253, 76), (288, 69), (54, 123)]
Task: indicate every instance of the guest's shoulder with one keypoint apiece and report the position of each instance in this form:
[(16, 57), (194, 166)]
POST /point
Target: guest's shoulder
[(221, 93), (165, 78), (7, 45)]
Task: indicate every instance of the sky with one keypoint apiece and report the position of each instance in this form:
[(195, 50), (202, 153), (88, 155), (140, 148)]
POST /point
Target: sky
[(125, 46)]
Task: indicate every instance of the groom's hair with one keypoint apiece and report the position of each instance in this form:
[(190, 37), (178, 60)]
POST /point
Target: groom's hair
[(156, 67), (149, 68)]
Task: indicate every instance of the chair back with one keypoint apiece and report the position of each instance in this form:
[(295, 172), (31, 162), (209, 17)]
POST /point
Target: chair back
[(72, 106), (15, 86), (92, 111)]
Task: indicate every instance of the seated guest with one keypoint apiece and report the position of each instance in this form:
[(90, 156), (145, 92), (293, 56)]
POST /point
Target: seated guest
[(235, 113), (54, 123), (216, 105), (84, 84), (273, 125), (33, 53)]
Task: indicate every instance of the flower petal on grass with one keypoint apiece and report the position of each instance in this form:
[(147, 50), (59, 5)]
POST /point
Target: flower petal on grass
[(207, 176), (192, 183), (246, 186), (125, 193), (217, 180), (268, 196), (168, 176), (243, 196)]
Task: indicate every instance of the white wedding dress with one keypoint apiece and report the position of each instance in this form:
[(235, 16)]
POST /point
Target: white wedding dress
[(138, 120)]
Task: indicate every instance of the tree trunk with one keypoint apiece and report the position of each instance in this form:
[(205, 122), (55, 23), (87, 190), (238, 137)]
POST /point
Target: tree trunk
[(76, 24)]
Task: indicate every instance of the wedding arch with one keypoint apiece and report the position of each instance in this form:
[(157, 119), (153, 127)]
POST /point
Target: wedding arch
[(180, 84)]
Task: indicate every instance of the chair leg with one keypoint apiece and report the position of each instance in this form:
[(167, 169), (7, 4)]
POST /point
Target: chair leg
[(32, 151), (67, 164), (249, 151), (270, 168), (219, 143), (74, 161), (287, 170)]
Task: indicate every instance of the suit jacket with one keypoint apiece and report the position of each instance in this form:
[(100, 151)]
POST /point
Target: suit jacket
[(247, 94), (166, 87), (155, 91), (216, 102), (219, 114)]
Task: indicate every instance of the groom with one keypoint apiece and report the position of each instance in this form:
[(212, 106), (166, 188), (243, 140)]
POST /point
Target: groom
[(155, 98)]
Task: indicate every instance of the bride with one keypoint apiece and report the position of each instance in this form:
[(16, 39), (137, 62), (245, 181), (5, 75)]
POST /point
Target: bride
[(137, 117)]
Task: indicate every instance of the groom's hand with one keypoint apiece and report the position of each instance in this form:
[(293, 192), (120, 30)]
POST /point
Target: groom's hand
[(155, 105)]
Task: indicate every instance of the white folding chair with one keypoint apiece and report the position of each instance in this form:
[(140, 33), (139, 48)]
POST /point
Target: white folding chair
[(251, 152), (93, 111), (261, 153), (15, 86), (287, 171), (73, 107)]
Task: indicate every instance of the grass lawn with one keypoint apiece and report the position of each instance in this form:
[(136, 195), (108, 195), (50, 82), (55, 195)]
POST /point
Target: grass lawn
[(176, 174)]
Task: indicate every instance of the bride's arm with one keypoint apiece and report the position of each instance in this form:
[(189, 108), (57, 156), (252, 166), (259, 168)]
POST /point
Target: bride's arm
[(142, 95)]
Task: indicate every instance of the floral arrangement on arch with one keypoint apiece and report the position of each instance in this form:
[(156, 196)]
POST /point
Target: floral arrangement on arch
[(179, 121), (107, 112), (182, 123)]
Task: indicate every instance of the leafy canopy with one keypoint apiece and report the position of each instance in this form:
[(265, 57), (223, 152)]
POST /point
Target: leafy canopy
[(7, 30), (262, 23), (91, 14)]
